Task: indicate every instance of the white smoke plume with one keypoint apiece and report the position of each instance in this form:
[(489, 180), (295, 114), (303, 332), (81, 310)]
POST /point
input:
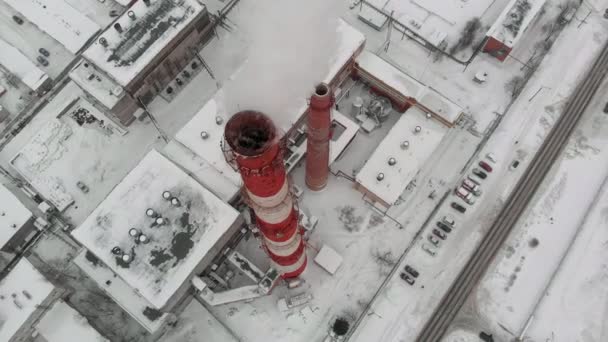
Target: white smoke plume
[(292, 43)]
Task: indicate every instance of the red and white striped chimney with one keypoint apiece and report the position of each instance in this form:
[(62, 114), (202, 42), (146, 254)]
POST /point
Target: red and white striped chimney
[(318, 135), (254, 142)]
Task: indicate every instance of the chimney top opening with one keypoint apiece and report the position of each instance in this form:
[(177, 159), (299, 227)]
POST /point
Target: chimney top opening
[(322, 90), (250, 133)]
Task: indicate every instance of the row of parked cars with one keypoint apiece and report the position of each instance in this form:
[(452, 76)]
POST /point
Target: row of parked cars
[(44, 53), (439, 233), (470, 188)]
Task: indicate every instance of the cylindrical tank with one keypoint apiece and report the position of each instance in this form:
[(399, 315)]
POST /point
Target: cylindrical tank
[(318, 135), (254, 143)]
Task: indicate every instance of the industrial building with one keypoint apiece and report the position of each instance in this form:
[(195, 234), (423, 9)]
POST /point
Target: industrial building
[(155, 231), (16, 221), (510, 26), (135, 59), (20, 66), (31, 310)]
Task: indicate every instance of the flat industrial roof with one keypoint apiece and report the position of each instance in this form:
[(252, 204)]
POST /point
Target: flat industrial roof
[(142, 38), (97, 84), (408, 86), (210, 119), (22, 291), (176, 247), (408, 160), (13, 215), (62, 323), (59, 20), (19, 65), (123, 294), (514, 19)]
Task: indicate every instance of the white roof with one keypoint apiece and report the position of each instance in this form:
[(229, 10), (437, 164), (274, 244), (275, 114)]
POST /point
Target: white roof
[(124, 295), (514, 19), (124, 2), (19, 65), (96, 83), (62, 323), (30, 289), (209, 148), (350, 43), (13, 215), (408, 86), (129, 52), (408, 161), (175, 249), (59, 20), (329, 259)]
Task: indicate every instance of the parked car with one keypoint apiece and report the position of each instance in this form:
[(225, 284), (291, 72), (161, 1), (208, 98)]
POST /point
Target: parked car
[(491, 157), (606, 108), (439, 234), (409, 269), (433, 240), (444, 227), (407, 278), (472, 187), (458, 207), (44, 52), (42, 61), (477, 172), (485, 166), (429, 249), (447, 219), (465, 195), (514, 165), (18, 20)]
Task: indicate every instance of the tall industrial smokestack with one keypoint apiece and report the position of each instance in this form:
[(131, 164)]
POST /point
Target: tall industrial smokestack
[(254, 143), (318, 132)]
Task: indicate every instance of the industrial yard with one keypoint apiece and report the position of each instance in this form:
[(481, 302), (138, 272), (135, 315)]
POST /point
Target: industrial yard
[(225, 170)]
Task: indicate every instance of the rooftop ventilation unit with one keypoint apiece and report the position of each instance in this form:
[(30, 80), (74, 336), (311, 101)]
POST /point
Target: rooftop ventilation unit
[(405, 145), (380, 177), (204, 135), (150, 212), (392, 161), (131, 15), (167, 195), (118, 27), (417, 130), (103, 42)]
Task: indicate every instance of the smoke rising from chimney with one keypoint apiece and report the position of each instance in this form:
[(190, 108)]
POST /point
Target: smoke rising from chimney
[(291, 45)]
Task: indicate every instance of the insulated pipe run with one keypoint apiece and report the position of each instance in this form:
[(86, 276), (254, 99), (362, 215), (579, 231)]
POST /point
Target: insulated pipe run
[(318, 137), (255, 147)]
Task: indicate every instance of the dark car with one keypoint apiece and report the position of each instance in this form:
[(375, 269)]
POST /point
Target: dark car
[(44, 52), (477, 172), (439, 234), (18, 20), (514, 165), (407, 278), (409, 269), (485, 166), (606, 108), (42, 61), (458, 207), (444, 227)]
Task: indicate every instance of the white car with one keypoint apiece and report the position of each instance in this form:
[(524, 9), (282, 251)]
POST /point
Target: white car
[(447, 219), (465, 195), (472, 187), (491, 157)]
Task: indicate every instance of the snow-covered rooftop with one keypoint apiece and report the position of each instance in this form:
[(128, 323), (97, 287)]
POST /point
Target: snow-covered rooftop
[(19, 65), (62, 323), (152, 27), (124, 295), (389, 181), (176, 246), (13, 215), (211, 120), (408, 86), (514, 20), (96, 83), (59, 20), (22, 291), (350, 43)]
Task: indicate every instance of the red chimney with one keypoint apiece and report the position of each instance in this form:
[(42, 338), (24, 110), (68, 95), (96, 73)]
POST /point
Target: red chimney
[(318, 134), (254, 144)]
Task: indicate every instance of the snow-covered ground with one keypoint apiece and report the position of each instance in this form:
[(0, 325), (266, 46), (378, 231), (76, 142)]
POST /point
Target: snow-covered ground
[(568, 209)]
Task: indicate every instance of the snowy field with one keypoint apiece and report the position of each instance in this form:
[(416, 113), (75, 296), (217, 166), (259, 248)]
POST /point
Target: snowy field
[(567, 210)]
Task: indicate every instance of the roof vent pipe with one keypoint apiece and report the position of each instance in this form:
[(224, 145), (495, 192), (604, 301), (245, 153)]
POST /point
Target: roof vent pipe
[(380, 177), (118, 27), (392, 161), (131, 15), (417, 129), (103, 42), (167, 195), (405, 145)]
